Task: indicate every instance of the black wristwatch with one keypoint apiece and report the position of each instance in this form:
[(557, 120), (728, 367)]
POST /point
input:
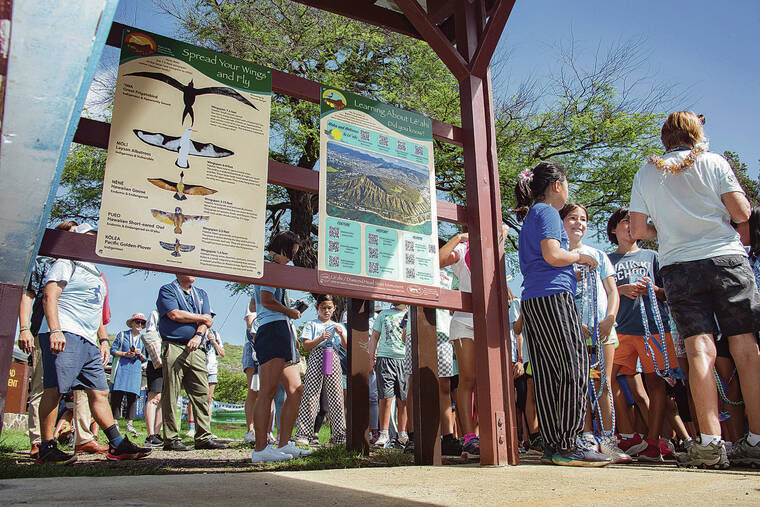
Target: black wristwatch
[(198, 333)]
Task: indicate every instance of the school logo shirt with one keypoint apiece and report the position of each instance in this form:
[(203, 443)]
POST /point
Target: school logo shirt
[(630, 268)]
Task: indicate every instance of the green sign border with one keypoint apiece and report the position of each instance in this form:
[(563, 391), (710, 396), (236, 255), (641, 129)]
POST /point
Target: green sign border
[(205, 61)]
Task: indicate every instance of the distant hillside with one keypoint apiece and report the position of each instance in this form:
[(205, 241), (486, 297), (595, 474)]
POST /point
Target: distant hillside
[(232, 360)]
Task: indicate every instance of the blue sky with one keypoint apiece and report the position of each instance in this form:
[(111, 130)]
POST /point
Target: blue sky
[(705, 49)]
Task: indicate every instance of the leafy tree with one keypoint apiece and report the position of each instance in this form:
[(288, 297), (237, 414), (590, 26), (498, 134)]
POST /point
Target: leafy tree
[(600, 121), (81, 185), (750, 185)]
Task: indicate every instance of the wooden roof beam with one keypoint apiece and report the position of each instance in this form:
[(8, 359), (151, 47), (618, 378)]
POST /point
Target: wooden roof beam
[(492, 33), (435, 37)]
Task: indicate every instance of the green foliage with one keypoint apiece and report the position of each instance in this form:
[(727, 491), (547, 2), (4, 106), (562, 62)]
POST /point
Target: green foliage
[(81, 185), (231, 388)]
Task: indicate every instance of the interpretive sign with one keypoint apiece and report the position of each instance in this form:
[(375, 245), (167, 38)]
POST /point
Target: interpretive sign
[(377, 208), (186, 175)]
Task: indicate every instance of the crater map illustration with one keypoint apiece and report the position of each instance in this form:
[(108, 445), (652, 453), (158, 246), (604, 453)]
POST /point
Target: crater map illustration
[(369, 187)]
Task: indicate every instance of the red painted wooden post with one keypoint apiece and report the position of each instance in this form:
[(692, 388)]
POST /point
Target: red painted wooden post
[(10, 295), (426, 406), (357, 416), (488, 280)]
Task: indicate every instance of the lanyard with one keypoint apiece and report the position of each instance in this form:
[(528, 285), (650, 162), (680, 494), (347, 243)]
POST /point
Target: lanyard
[(665, 372), (183, 302)]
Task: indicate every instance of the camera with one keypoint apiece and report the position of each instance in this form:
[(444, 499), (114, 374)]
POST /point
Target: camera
[(300, 306)]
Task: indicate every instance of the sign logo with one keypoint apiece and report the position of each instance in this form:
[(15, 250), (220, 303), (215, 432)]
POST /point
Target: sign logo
[(334, 99), (140, 44)]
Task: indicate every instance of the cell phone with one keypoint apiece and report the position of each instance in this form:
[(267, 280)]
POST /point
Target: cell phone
[(132, 348), (403, 322), (301, 306)]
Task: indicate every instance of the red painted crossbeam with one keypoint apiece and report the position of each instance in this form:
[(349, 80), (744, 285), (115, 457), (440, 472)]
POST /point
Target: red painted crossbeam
[(70, 245)]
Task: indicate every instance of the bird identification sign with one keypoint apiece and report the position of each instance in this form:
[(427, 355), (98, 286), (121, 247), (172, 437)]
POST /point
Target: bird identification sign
[(185, 183), (378, 228)]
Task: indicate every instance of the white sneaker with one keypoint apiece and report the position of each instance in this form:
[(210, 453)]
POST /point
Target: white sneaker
[(382, 440), (302, 441), (403, 438), (294, 451), (250, 437), (609, 447), (190, 433), (269, 455)]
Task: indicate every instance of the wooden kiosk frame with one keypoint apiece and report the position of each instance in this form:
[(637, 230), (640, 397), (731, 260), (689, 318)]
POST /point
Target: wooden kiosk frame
[(464, 34)]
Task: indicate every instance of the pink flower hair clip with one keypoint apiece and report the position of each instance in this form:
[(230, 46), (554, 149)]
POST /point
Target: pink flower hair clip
[(526, 175)]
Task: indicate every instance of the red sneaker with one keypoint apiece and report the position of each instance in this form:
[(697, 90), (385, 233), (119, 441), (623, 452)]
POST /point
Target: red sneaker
[(651, 453), (632, 446)]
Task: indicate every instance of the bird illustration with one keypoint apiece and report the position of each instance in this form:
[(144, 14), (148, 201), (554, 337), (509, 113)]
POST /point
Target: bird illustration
[(183, 145), (190, 92), (181, 189), (337, 104), (176, 247), (178, 219)]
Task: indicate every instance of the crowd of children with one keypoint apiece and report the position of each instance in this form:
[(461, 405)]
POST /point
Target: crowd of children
[(629, 355)]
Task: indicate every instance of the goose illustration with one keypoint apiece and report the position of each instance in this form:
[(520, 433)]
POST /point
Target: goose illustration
[(181, 189), (178, 219), (190, 92), (176, 247), (183, 145)]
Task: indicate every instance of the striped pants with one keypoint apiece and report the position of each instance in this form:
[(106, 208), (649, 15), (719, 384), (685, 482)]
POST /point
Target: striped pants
[(312, 390), (560, 364)]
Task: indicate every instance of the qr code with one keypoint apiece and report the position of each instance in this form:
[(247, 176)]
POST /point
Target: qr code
[(418, 150), (373, 268), (410, 273), (410, 258), (372, 239), (431, 249), (364, 135), (409, 246), (334, 232), (383, 141), (374, 253), (402, 145), (333, 261), (333, 246)]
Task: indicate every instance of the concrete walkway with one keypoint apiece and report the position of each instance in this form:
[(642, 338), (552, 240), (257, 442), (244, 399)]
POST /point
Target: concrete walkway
[(451, 485)]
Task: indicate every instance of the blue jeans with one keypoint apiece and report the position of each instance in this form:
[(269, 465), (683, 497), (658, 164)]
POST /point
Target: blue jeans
[(279, 401), (373, 410)]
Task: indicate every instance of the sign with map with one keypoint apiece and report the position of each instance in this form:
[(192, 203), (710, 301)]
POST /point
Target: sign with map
[(378, 230), (186, 175)]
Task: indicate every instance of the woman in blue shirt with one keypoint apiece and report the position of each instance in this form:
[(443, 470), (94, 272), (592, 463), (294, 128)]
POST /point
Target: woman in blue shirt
[(557, 350), (128, 354)]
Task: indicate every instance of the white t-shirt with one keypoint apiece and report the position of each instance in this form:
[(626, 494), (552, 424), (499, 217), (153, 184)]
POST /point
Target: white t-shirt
[(442, 315), (604, 270), (462, 272), (80, 305), (314, 329), (692, 222), (212, 362), (152, 321)]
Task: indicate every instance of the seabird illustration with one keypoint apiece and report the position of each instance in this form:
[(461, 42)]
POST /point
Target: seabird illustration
[(183, 145), (177, 219), (176, 247), (189, 92), (181, 189)]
